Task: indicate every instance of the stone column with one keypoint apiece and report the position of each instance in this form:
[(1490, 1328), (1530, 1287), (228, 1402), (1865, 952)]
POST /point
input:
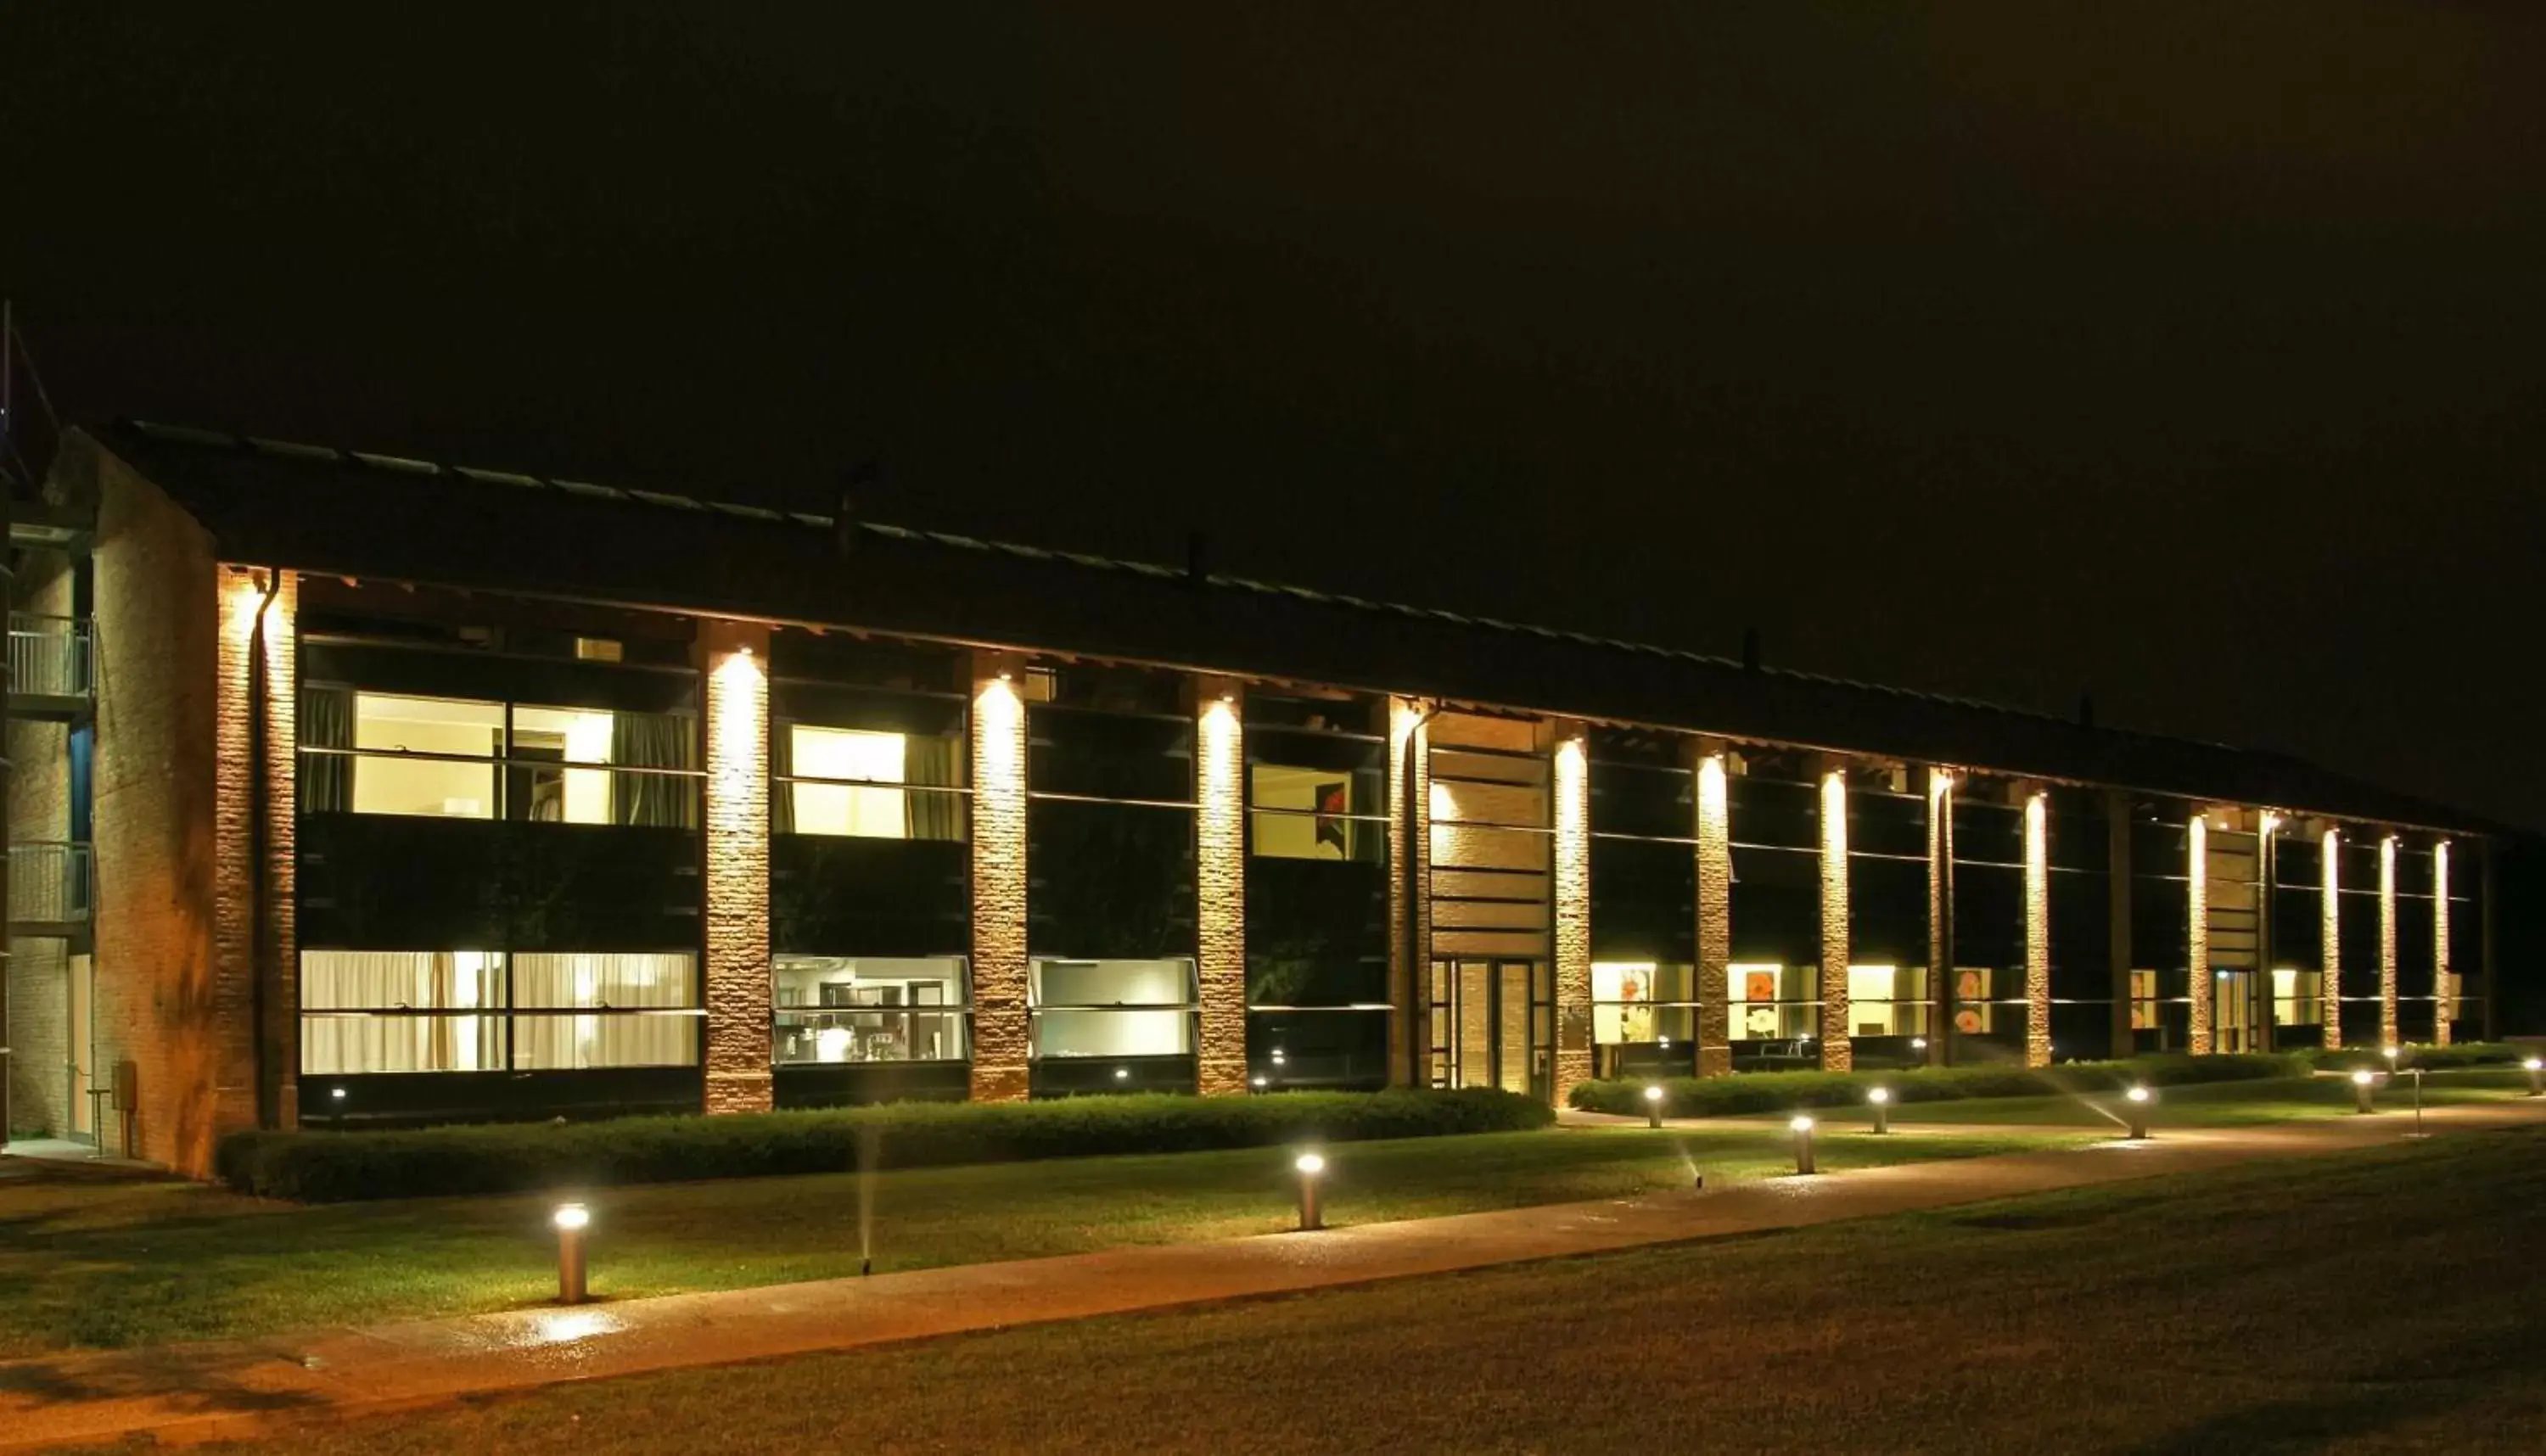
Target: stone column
[(1220, 876), (2443, 1003), (1408, 888), (1572, 907), (2331, 932), (1714, 915), (254, 920), (1837, 1053), (2389, 1030), (737, 867), (2037, 929), (2204, 995), (999, 850), (1940, 914)]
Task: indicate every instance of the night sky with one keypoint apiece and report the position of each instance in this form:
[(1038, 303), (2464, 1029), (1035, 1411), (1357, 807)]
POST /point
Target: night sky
[(2188, 353)]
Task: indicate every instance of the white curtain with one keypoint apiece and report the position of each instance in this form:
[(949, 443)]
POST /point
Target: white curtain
[(455, 981)]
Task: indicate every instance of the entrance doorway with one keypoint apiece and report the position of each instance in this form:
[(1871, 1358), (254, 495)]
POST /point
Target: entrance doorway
[(1493, 1024), (2232, 1015)]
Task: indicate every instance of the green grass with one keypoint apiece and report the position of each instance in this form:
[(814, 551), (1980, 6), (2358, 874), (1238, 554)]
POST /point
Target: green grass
[(2211, 1104), (139, 1264), (2376, 1302)]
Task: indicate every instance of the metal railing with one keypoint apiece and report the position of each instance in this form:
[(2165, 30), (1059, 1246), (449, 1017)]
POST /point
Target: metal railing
[(51, 656), (49, 881)]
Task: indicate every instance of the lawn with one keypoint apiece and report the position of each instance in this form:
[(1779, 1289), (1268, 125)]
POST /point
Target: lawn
[(138, 1264), (2207, 1104), (2375, 1302)]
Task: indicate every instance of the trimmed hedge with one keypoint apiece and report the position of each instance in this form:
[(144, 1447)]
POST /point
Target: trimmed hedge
[(519, 1157), (1775, 1092), (2428, 1058)]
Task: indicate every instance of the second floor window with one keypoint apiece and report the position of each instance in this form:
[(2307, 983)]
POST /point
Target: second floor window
[(393, 753)]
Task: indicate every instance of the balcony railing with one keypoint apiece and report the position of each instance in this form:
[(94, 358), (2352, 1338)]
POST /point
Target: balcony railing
[(51, 656), (49, 881)]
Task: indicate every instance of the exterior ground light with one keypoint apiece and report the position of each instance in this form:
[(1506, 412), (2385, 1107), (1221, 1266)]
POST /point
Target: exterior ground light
[(1802, 1130), (2139, 1099), (1654, 1105), (1308, 1165), (2362, 1082), (2536, 1068), (571, 1219), (1880, 1098)]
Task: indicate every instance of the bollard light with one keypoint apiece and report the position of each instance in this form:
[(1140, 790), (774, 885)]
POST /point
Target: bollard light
[(2139, 1099), (571, 1219), (2536, 1076), (1803, 1130), (2361, 1082), (2390, 1054), (1881, 1100), (1308, 1165), (1654, 1105)]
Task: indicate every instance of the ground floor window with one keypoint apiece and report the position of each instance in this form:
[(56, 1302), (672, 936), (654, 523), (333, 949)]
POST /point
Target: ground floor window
[(1773, 1003), (388, 1011), (1112, 1008), (2144, 1012), (1887, 1000), (836, 1010), (2298, 998), (1640, 1002)]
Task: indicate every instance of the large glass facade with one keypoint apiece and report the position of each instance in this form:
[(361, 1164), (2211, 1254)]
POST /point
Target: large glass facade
[(1990, 1008), (1775, 993), (1644, 904), (1890, 999), (498, 858), (1316, 891)]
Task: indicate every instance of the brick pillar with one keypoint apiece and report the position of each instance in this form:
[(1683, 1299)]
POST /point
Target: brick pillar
[(2389, 1031), (257, 1075), (998, 882), (2443, 1003), (2331, 930), (2489, 929), (1408, 895), (2204, 995), (1220, 874), (2037, 929), (1714, 916), (738, 873), (1573, 812), (1838, 1053), (1940, 915)]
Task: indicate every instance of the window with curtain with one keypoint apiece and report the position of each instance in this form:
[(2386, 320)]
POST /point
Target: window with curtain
[(867, 782), (383, 1011), (396, 753)]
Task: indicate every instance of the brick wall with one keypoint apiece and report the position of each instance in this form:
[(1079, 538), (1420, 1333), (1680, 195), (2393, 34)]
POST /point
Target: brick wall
[(2204, 995), (1406, 971), (39, 1039), (1573, 893), (164, 999), (2037, 930), (1837, 1053), (1220, 872), (1940, 915), (737, 971), (998, 848), (2390, 1030), (2440, 967), (1714, 917)]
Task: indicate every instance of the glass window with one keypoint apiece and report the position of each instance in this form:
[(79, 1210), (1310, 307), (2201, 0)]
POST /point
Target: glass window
[(1887, 1000), (367, 1011), (1770, 1003), (1316, 813), (2298, 998), (837, 1010), (2144, 1012), (835, 777), (1635, 1002), (1112, 1008), (444, 731)]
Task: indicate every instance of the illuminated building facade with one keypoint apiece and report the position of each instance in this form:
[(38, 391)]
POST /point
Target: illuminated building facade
[(417, 792)]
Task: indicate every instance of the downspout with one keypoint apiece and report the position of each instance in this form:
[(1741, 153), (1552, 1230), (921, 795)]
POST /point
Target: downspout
[(269, 1088), (1418, 977)]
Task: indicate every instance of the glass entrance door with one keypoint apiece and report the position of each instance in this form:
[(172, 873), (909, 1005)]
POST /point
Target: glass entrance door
[(1493, 1024), (2232, 1017), (77, 992)]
